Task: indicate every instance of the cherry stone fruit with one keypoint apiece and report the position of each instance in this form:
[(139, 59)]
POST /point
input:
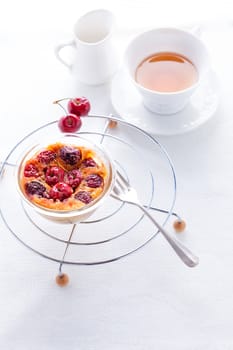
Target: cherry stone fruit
[(46, 157), (60, 191), (69, 123), (79, 106)]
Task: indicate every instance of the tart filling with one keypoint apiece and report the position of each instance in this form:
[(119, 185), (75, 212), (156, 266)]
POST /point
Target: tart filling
[(63, 177)]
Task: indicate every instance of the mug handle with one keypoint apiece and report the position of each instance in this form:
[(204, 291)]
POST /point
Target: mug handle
[(58, 49)]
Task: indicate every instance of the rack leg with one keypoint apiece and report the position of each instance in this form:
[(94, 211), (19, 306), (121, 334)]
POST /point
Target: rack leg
[(179, 224), (62, 279)]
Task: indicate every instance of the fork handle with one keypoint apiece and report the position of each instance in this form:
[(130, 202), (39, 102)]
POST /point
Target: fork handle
[(184, 253)]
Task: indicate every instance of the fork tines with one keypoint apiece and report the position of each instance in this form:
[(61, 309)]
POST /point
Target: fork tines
[(121, 178), (121, 183)]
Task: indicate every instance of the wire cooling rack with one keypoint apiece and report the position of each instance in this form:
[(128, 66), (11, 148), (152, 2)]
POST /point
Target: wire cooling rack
[(116, 229)]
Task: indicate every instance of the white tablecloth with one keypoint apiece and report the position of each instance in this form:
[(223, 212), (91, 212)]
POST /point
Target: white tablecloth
[(150, 300)]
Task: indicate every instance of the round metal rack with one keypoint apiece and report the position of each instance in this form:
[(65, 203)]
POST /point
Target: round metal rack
[(115, 230)]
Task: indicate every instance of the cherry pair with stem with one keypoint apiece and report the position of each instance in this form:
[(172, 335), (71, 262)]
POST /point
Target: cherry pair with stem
[(77, 107)]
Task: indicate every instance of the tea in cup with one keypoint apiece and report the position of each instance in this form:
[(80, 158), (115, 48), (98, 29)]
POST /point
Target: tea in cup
[(95, 57), (166, 66)]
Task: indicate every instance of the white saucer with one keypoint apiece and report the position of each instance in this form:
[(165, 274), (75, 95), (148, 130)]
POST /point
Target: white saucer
[(128, 105)]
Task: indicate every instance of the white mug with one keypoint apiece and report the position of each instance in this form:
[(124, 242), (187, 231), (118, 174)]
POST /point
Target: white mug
[(95, 59), (166, 40)]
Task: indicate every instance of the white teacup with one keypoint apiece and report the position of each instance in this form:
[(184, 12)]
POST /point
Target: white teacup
[(95, 59), (166, 40)]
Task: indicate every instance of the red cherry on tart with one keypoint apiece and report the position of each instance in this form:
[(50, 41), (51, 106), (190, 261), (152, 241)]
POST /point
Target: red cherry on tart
[(53, 175), (69, 123), (46, 157), (89, 162), (31, 170), (83, 196), (70, 155), (94, 180), (73, 178), (60, 191), (79, 106)]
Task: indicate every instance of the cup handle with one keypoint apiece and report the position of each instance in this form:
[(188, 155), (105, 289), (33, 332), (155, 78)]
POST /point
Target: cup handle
[(58, 50)]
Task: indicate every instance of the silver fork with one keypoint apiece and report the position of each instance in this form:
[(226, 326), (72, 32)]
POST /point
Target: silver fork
[(125, 193)]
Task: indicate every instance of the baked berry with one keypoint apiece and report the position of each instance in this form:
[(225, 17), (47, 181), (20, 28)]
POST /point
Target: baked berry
[(70, 155), (53, 175), (31, 170), (69, 123), (83, 196), (46, 157), (73, 178), (89, 162), (35, 187), (60, 191), (79, 106), (94, 180)]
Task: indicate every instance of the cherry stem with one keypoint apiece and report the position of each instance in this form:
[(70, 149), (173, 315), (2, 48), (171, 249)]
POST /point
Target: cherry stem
[(58, 103), (62, 99)]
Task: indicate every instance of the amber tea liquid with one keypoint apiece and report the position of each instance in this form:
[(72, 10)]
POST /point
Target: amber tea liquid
[(166, 72)]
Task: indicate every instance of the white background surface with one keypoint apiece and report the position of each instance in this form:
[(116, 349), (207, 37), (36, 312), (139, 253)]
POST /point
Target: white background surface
[(151, 300)]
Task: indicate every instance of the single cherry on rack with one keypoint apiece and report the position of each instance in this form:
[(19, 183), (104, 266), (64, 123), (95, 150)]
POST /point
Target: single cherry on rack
[(69, 123), (79, 106)]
